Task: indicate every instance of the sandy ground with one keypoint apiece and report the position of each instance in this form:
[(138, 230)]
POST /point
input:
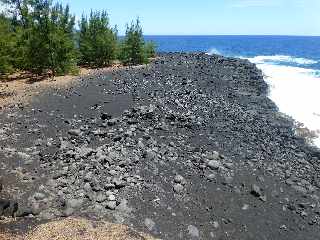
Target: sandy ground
[(79, 229), (20, 88)]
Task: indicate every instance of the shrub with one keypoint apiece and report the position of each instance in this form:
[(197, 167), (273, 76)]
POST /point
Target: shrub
[(98, 41)]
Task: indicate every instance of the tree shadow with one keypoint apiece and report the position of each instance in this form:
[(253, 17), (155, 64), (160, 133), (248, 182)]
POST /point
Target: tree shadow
[(28, 77)]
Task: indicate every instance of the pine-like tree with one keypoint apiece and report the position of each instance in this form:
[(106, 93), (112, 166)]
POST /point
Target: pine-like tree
[(7, 46), (39, 37), (150, 49), (98, 41), (132, 48), (46, 38), (50, 41)]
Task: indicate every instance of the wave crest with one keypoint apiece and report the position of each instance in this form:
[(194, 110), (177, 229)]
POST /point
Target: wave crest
[(213, 51), (295, 91), (282, 59)]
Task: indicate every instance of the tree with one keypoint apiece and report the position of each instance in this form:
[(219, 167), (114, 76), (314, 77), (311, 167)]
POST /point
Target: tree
[(46, 42), (19, 10), (132, 48), (150, 49), (18, 13), (7, 46), (50, 42), (39, 37), (98, 41)]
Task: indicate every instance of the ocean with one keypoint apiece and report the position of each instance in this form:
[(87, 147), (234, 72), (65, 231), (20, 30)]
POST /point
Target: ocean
[(291, 65)]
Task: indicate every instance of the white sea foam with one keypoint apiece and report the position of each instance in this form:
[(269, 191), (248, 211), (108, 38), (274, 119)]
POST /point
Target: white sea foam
[(295, 90), (282, 59), (213, 51)]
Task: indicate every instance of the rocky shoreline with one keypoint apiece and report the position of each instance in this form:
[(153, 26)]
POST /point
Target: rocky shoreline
[(187, 147)]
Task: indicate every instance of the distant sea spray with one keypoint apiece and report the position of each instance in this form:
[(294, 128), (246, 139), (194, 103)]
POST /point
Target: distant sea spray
[(212, 51)]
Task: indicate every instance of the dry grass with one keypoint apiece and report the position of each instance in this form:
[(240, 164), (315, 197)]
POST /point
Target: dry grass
[(79, 229)]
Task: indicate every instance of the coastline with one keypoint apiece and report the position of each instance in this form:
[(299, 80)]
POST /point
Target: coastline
[(293, 89), (189, 139)]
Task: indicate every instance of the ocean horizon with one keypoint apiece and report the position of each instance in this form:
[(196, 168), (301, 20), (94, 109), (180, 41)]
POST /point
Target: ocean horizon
[(291, 65), (225, 35)]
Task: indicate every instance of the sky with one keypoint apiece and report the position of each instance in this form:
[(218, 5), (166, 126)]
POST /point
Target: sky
[(210, 17)]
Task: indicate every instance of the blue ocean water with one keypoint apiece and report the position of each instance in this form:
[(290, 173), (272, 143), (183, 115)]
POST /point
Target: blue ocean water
[(246, 46), (291, 65)]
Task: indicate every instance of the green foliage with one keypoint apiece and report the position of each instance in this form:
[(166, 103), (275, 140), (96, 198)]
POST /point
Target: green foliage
[(98, 41), (45, 41), (6, 65), (8, 43), (18, 13), (40, 37), (132, 50), (150, 49), (49, 41)]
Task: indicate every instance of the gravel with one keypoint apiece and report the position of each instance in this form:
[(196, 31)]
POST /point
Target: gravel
[(189, 138)]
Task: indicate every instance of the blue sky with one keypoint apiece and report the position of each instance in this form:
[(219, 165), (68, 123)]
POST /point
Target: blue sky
[(211, 17)]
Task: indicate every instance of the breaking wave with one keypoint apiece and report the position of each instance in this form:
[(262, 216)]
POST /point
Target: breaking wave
[(282, 59), (213, 51), (294, 89)]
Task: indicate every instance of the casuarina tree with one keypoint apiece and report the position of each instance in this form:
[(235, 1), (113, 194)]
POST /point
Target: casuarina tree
[(98, 41), (132, 48)]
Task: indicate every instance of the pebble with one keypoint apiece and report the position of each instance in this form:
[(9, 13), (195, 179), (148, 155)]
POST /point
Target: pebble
[(74, 203), (193, 232), (111, 205), (105, 116), (178, 188), (123, 206), (39, 196), (101, 197), (245, 207), (75, 132), (216, 224), (213, 164), (111, 197), (256, 190), (178, 179), (150, 224), (87, 187), (211, 177), (68, 212), (35, 208), (213, 156)]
